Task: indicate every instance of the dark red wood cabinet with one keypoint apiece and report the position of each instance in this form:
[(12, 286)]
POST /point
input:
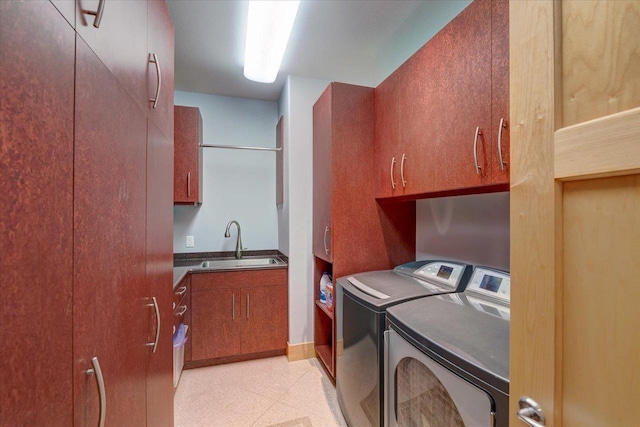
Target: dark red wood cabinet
[(36, 214), (161, 35), (86, 220), (159, 254), (188, 156), (120, 41), (110, 317), (238, 315), (438, 115), (346, 216)]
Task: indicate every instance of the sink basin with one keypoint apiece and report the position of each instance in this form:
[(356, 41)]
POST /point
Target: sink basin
[(226, 263)]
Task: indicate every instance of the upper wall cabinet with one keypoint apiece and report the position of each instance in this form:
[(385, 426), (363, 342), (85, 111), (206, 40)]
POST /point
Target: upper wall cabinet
[(116, 31), (187, 185), (160, 66), (438, 116)]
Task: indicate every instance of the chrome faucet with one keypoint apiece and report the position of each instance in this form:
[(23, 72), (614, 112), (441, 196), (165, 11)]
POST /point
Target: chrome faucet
[(238, 241)]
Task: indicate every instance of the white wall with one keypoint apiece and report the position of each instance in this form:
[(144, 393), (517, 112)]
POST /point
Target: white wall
[(238, 184), (296, 214), (472, 229)]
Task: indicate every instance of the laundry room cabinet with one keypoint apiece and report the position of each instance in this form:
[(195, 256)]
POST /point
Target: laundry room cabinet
[(442, 116), (238, 315), (351, 231), (188, 168), (86, 219)]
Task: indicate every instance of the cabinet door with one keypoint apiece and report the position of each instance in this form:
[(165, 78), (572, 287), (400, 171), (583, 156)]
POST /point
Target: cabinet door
[(159, 277), (500, 91), (462, 51), (387, 136), (264, 309), (161, 36), (68, 9), (322, 233), (216, 322), (36, 214), (188, 156), (120, 42), (109, 299)]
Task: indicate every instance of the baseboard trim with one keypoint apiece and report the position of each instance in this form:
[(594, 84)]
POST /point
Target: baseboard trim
[(305, 350)]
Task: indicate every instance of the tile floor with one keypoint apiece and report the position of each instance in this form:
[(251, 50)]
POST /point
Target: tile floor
[(257, 393)]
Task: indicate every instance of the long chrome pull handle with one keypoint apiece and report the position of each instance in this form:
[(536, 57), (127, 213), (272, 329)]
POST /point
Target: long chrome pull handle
[(247, 305), (188, 184), (326, 248), (501, 126), (103, 395), (404, 181), (97, 13), (154, 304), (233, 306), (393, 164), (154, 58), (475, 150), (182, 310), (181, 290), (530, 412)]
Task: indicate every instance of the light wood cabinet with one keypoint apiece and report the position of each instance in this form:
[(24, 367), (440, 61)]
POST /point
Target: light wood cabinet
[(238, 315), (188, 156)]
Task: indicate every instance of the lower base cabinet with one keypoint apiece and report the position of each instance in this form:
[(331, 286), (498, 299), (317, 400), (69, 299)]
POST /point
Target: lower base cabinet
[(238, 315)]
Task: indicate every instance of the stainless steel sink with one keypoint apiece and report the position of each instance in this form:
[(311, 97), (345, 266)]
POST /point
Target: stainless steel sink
[(248, 262)]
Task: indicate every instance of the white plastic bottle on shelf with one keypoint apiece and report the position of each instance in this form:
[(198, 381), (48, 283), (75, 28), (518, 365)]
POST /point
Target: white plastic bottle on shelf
[(324, 280)]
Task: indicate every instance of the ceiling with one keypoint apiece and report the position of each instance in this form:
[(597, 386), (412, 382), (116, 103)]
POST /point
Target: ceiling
[(352, 41)]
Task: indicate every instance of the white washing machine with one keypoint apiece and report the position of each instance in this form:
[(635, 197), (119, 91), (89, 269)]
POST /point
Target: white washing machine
[(447, 357)]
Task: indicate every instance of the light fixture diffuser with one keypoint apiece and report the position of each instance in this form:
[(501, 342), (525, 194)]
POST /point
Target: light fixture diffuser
[(268, 29)]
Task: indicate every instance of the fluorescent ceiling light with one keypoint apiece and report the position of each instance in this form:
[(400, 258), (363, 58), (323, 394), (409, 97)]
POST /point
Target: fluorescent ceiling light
[(268, 29)]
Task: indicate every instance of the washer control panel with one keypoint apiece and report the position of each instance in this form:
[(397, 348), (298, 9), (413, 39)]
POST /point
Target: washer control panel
[(446, 273), (491, 283)]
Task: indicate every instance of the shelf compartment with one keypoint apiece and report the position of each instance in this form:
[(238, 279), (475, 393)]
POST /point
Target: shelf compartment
[(323, 307)]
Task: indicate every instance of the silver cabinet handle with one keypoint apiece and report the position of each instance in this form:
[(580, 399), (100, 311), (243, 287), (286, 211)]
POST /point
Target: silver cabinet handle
[(233, 306), (501, 126), (181, 290), (247, 305), (154, 59), (103, 395), (393, 164), (530, 412), (326, 248), (97, 13), (154, 304), (182, 310), (404, 182), (188, 184), (475, 150)]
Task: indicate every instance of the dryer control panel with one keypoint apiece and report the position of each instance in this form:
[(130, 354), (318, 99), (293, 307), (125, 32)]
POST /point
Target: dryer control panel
[(493, 284), (445, 273)]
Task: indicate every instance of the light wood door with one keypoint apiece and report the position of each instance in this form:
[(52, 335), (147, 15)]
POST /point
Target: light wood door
[(575, 210)]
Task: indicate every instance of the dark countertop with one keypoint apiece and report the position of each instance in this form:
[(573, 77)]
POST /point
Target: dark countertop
[(185, 263)]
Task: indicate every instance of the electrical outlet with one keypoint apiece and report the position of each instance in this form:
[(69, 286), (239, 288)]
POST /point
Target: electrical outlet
[(190, 241)]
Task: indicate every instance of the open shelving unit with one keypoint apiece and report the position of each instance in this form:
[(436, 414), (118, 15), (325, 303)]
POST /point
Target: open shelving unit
[(324, 321)]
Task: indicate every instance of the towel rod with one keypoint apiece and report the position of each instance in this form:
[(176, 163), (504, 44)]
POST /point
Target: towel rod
[(241, 147)]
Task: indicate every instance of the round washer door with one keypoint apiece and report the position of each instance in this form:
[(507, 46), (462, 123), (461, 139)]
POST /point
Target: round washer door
[(420, 391)]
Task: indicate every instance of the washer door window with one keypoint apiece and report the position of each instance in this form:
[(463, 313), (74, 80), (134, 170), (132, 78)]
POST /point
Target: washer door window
[(421, 392)]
